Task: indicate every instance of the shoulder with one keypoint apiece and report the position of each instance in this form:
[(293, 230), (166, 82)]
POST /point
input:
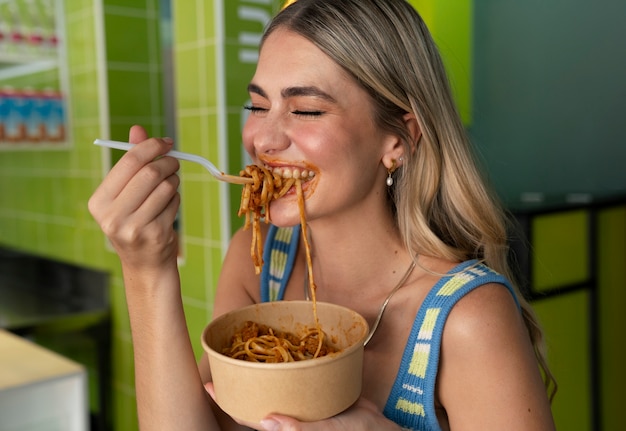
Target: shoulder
[(488, 307), (486, 352)]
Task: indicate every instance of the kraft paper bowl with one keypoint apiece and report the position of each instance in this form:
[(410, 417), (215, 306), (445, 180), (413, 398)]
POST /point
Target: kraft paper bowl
[(307, 390)]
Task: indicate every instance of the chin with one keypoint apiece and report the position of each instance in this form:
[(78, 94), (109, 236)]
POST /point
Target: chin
[(284, 214), (281, 221)]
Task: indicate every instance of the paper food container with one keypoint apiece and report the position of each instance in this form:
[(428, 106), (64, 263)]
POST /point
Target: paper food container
[(307, 390)]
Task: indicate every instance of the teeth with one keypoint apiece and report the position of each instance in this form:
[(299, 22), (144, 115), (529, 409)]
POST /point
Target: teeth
[(295, 173)]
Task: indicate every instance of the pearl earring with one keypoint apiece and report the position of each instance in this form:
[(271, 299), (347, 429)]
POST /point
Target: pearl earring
[(389, 172)]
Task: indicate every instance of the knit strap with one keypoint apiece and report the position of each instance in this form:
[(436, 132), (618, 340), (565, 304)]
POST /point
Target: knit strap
[(411, 402), (279, 254)]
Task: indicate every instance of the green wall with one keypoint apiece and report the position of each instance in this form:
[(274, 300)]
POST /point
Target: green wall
[(114, 82)]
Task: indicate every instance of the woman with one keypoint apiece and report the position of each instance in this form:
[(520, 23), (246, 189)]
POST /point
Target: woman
[(355, 91)]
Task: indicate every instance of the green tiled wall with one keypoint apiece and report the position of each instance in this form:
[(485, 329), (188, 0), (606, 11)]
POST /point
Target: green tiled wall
[(43, 204), (210, 87), (134, 96)]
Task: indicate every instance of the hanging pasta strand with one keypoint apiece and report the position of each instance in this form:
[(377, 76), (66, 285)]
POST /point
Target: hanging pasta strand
[(309, 264), (255, 205), (256, 342)]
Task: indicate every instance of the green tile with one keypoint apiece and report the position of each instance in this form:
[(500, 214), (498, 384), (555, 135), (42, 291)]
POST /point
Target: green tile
[(72, 7), (208, 76), (186, 23), (84, 97), (131, 95), (60, 241), (9, 230), (216, 259), (134, 4), (192, 269), (213, 220), (127, 39), (81, 40), (208, 23), (187, 66), (189, 139), (120, 131), (125, 409), (238, 75), (123, 362), (28, 234), (119, 314), (196, 321), (192, 209), (210, 147)]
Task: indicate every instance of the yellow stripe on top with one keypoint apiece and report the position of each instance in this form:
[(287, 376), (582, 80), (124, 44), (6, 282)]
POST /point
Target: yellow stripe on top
[(428, 324), (421, 352), (279, 262), (410, 407), (454, 284), (419, 360)]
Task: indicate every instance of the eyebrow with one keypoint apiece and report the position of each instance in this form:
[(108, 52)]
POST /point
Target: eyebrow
[(309, 91)]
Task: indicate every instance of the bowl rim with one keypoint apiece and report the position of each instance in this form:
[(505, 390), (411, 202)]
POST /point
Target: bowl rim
[(286, 365)]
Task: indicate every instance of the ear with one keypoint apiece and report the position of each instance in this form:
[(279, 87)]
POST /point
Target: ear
[(396, 147), (414, 130)]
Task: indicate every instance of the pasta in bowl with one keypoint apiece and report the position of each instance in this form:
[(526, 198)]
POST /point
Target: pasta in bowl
[(308, 389)]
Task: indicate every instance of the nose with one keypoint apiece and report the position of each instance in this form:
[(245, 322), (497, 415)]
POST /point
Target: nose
[(264, 134)]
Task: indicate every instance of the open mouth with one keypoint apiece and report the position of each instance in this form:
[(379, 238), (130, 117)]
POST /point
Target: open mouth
[(270, 183), (292, 172)]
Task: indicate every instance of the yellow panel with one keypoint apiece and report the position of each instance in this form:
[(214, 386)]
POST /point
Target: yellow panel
[(560, 249), (612, 296), (566, 324)]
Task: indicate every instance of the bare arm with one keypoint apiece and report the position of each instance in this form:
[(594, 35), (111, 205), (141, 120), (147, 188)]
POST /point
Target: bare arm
[(238, 286), (489, 378), (136, 205)]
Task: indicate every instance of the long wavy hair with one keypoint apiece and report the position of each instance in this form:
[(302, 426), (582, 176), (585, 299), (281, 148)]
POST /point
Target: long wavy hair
[(442, 203)]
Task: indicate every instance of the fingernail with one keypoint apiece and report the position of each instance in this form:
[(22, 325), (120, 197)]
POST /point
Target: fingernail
[(270, 425), (168, 141)]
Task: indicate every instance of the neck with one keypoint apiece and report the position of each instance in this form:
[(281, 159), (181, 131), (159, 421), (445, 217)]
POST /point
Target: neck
[(357, 255)]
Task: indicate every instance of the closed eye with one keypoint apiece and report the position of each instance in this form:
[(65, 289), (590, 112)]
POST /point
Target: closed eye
[(254, 109), (307, 113)]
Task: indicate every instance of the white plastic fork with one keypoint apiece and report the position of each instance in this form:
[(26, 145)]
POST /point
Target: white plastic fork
[(234, 179)]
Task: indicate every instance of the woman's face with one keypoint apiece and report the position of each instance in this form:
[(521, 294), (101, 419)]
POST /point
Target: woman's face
[(307, 113)]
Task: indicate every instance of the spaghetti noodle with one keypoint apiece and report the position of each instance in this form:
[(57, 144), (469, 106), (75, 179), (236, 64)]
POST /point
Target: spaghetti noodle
[(255, 204), (257, 342), (260, 343)]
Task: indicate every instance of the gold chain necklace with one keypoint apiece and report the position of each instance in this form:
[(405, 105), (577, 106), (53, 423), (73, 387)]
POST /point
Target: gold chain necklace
[(379, 317)]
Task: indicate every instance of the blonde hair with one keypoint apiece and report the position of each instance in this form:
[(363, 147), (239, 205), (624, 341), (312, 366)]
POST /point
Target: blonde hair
[(442, 204)]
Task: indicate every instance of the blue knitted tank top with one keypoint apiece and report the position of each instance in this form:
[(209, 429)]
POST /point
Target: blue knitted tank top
[(411, 403)]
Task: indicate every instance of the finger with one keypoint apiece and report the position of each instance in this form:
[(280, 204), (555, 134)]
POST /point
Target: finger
[(283, 423), (158, 200), (154, 237), (110, 207), (144, 184), (210, 389), (137, 134), (132, 162), (128, 165)]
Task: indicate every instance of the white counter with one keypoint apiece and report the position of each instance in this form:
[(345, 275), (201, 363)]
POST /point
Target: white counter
[(39, 389)]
